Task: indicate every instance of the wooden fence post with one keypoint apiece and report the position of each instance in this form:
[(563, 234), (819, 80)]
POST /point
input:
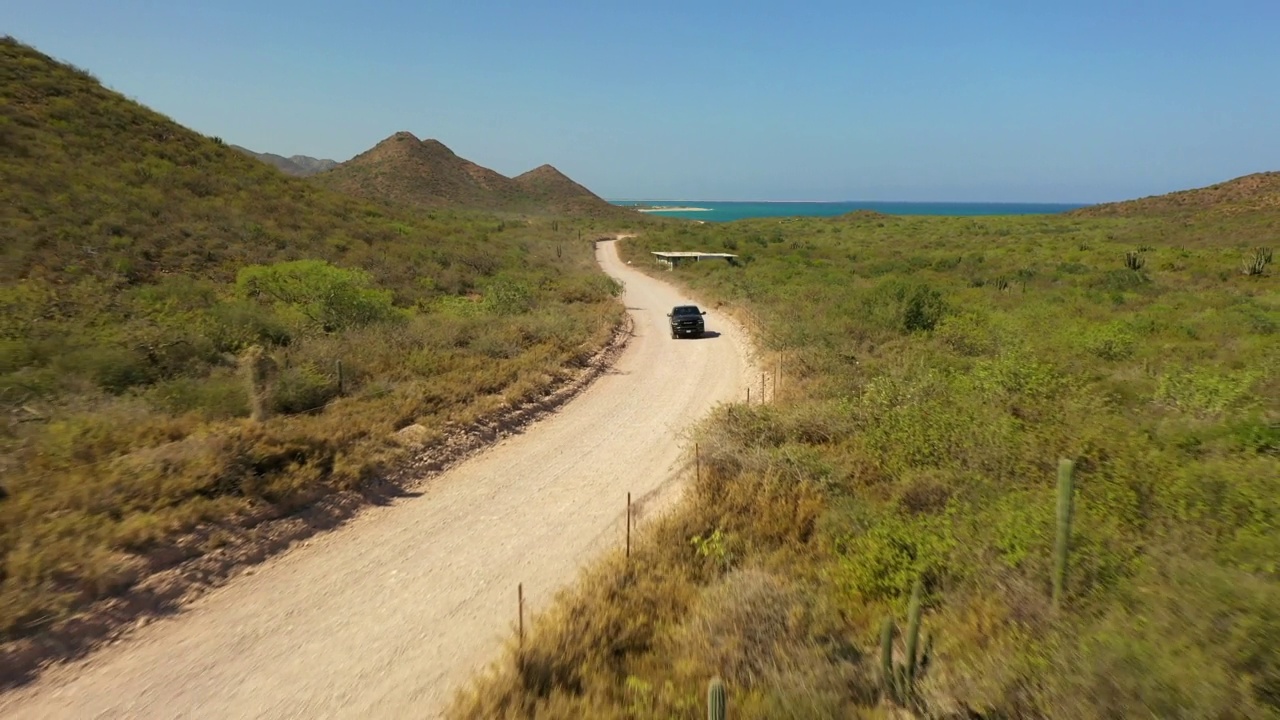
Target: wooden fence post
[(520, 599), (628, 525)]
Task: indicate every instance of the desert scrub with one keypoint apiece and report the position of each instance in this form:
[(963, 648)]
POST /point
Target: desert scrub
[(919, 437)]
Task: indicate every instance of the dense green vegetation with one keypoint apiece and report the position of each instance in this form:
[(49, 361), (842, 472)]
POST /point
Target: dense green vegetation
[(934, 371), (157, 289)]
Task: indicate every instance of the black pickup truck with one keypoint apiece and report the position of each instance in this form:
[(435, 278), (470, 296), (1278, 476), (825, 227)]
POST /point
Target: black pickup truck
[(686, 320)]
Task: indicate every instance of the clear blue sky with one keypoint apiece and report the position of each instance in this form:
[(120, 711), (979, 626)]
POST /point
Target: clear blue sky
[(1016, 100)]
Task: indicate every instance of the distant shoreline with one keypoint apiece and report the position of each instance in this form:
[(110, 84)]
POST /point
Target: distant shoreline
[(647, 204), (713, 211)]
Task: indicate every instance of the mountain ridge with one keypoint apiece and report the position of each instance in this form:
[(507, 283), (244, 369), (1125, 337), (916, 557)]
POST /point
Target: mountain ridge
[(296, 165), (560, 192), (426, 172)]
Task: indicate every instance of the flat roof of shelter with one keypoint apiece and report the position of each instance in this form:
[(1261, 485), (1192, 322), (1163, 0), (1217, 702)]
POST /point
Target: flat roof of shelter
[(691, 254)]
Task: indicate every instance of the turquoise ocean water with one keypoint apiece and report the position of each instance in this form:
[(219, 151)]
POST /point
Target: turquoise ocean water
[(727, 211)]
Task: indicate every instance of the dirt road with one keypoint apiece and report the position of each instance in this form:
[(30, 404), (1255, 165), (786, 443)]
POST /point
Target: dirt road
[(387, 616)]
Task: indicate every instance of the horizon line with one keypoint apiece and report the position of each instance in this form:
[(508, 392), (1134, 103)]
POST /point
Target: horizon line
[(881, 202)]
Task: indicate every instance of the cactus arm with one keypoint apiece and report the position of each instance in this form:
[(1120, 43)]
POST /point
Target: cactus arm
[(886, 656), (913, 634)]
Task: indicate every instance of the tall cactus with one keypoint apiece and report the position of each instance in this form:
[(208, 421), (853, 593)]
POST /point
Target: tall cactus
[(1066, 489), (899, 681), (887, 676), (1256, 263), (913, 634), (716, 700), (1134, 260), (259, 371)]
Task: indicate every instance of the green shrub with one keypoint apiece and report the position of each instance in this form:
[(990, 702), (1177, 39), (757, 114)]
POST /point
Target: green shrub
[(177, 293), (302, 388), (1021, 529), (590, 289), (967, 334), (217, 397), (883, 561), (234, 325), (1256, 435), (15, 353), (1202, 390), (329, 297), (903, 306), (457, 306), (1192, 640), (1111, 342), (1016, 373), (508, 297), (1120, 281), (923, 309), (114, 369), (497, 342)]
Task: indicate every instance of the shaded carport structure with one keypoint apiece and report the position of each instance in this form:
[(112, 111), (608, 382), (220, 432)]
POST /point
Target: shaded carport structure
[(674, 258)]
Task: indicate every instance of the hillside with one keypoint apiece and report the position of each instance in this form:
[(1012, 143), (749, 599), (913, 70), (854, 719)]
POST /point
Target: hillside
[(426, 173), (190, 340), (405, 169), (296, 165), (1250, 193), (554, 190)]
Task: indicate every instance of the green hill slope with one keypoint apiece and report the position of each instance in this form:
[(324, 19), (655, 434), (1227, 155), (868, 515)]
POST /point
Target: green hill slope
[(553, 189), (173, 315)]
